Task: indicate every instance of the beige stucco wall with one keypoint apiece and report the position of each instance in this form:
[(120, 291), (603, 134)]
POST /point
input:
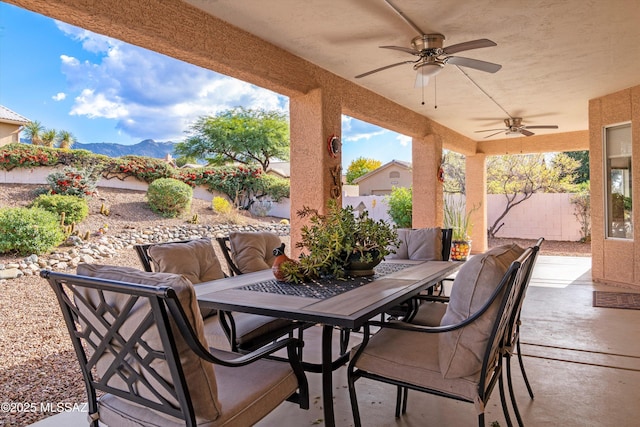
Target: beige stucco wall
[(380, 182), (614, 260), (9, 133)]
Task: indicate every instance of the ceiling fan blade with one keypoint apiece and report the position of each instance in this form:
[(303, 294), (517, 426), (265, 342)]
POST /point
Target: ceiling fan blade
[(473, 44), (542, 127), (526, 132), (489, 67), (406, 18), (492, 130), (493, 134), (383, 68), (402, 49)]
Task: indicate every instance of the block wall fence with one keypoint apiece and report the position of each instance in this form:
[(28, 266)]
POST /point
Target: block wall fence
[(548, 215)]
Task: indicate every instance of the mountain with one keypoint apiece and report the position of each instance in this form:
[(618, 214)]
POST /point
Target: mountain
[(148, 148)]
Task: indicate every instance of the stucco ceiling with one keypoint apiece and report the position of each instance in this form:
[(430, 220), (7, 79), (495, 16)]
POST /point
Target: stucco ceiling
[(555, 55)]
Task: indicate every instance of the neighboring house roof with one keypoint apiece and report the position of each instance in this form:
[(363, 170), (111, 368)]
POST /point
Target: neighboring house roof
[(282, 169), (8, 116), (400, 163)]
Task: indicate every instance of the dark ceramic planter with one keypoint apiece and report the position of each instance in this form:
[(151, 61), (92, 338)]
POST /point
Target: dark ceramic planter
[(357, 268)]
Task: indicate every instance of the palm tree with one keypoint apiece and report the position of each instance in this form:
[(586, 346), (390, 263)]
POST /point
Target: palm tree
[(66, 139), (33, 131), (49, 137)]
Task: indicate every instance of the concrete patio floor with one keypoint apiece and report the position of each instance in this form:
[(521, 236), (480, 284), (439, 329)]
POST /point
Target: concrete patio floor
[(583, 363)]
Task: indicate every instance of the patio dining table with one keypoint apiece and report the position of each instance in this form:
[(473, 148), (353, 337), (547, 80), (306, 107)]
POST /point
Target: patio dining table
[(347, 303)]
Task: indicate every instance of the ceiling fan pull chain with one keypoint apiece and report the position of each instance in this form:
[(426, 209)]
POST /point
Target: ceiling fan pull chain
[(435, 92), (422, 85)]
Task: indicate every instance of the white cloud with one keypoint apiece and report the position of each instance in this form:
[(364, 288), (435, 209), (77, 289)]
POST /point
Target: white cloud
[(59, 96), (354, 137), (149, 94), (404, 140), (95, 105)]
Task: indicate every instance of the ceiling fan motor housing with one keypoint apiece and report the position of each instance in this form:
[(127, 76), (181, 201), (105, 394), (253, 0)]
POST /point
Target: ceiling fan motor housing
[(431, 43)]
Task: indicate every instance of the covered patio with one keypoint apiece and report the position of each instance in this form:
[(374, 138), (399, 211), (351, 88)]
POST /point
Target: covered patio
[(582, 362)]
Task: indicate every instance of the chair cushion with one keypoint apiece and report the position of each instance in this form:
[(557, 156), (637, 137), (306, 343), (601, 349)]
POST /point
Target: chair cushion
[(250, 327), (253, 251), (250, 393), (412, 357), (196, 260), (199, 374), (462, 351), (430, 314), (419, 244)]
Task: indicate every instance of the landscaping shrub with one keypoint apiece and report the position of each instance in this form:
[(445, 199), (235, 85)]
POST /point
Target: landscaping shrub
[(221, 205), (72, 182), (29, 231), (75, 208), (401, 206), (26, 156), (143, 168), (169, 197)]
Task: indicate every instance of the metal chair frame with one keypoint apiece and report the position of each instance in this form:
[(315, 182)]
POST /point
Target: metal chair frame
[(491, 373), (106, 339)]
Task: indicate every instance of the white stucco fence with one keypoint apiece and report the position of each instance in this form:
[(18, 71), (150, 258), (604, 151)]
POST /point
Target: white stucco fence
[(548, 215)]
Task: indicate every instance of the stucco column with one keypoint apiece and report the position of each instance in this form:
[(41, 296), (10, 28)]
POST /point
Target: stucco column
[(315, 173), (428, 201), (476, 196)]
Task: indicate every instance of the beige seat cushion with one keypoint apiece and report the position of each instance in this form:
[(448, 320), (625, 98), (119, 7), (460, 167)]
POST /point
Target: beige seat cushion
[(430, 314), (412, 357), (462, 351), (196, 260), (253, 326), (422, 244), (250, 393), (253, 251), (199, 374)]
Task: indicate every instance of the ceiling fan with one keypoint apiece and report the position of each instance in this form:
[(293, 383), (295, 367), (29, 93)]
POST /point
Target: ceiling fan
[(514, 126), (432, 56)]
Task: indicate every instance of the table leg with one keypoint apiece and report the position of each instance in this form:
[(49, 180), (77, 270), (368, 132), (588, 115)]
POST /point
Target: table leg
[(327, 376)]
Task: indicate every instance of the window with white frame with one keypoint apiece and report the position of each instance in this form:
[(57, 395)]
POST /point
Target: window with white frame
[(618, 181)]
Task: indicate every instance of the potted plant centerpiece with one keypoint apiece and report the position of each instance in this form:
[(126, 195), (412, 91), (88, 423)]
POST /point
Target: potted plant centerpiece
[(458, 219), (339, 243)]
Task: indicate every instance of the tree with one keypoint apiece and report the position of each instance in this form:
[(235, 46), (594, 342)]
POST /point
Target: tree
[(454, 172), (361, 166), (582, 173), (240, 135), (400, 203), (33, 131), (49, 138), (66, 139), (520, 177)]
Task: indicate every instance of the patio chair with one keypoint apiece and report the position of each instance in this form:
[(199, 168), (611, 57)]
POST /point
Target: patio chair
[(432, 312), (197, 260), (428, 244), (246, 252), (139, 339), (460, 360)]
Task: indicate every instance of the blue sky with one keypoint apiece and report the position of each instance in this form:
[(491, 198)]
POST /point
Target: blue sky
[(103, 90)]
